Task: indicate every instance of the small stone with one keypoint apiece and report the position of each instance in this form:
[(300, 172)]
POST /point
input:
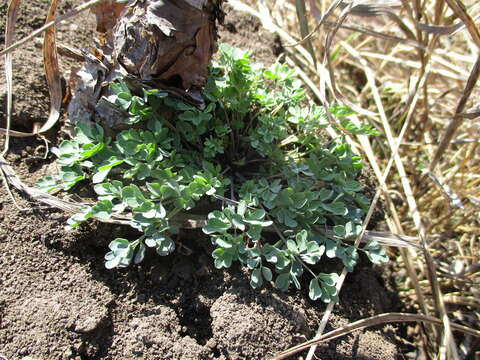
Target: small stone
[(211, 344)]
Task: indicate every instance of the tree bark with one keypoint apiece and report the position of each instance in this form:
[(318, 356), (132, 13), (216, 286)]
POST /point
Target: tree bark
[(161, 44)]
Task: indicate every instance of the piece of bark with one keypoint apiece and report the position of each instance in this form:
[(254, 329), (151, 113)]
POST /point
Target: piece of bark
[(162, 44), (170, 43)]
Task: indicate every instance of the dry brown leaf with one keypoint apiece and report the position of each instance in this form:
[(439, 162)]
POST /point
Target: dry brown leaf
[(87, 89), (52, 70), (107, 13), (12, 14)]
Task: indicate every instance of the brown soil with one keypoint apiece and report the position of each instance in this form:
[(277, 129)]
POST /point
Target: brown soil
[(57, 301)]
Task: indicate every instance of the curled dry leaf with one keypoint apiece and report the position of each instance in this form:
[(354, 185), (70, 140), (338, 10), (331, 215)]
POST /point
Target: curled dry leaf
[(52, 69)]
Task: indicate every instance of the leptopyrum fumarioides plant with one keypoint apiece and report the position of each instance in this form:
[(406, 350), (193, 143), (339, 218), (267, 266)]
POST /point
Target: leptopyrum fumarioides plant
[(257, 154)]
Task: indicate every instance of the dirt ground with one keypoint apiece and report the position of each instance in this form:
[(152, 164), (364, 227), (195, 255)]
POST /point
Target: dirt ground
[(57, 301)]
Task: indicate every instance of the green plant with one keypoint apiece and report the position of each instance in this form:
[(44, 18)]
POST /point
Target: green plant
[(256, 141)]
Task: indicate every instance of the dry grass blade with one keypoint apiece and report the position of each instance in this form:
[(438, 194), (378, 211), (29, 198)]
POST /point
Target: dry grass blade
[(458, 118), (393, 240), (369, 322), (15, 133), (444, 30), (377, 34), (34, 193), (460, 10), (395, 224), (317, 15), (70, 207), (302, 19), (472, 113), (63, 50), (370, 10), (12, 14), (52, 70), (324, 18), (451, 195), (328, 60)]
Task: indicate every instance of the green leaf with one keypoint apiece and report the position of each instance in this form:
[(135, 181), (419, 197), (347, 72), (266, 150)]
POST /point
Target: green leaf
[(100, 176), (377, 256), (222, 242), (339, 231), (289, 221), (162, 243), (86, 133), (222, 258), (109, 191), (351, 186), (215, 225), (132, 196), (112, 263), (47, 184), (257, 214), (151, 210), (325, 194), (237, 221), (103, 210), (119, 244), (292, 246), (105, 168), (254, 233), (331, 248), (256, 279), (75, 220), (90, 150), (314, 289), (329, 279), (371, 245), (282, 282), (242, 208), (267, 273), (255, 217), (336, 208)]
